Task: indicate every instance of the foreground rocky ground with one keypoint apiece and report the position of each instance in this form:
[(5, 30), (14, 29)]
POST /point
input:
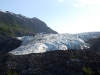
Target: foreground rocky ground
[(70, 62)]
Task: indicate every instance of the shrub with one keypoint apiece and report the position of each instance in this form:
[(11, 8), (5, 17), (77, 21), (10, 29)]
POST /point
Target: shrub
[(87, 71)]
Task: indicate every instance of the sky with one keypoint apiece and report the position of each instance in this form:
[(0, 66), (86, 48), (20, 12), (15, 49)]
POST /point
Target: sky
[(63, 16)]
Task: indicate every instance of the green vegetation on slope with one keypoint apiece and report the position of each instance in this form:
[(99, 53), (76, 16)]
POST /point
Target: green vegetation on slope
[(10, 26), (18, 25)]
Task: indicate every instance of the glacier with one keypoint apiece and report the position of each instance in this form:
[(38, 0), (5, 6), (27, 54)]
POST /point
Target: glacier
[(46, 42)]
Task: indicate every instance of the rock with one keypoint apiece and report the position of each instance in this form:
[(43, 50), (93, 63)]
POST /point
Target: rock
[(9, 44)]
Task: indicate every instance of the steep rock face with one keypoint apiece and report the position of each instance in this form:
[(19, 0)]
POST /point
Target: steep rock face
[(17, 25), (40, 26)]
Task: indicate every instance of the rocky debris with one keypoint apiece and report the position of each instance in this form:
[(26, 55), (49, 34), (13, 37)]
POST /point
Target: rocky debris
[(69, 62)]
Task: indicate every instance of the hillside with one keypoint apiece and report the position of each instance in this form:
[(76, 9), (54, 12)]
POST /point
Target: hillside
[(12, 24)]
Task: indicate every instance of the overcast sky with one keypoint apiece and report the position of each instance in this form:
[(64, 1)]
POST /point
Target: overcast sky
[(64, 16)]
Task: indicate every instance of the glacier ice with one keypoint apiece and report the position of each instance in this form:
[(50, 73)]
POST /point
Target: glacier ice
[(45, 42)]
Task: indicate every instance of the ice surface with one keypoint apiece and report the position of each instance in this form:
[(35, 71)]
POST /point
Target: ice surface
[(46, 42)]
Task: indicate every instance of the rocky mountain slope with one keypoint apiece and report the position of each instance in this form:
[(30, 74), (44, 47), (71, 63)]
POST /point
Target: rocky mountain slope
[(12, 24)]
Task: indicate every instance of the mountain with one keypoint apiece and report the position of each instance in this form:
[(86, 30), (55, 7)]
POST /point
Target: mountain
[(13, 25), (46, 42)]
